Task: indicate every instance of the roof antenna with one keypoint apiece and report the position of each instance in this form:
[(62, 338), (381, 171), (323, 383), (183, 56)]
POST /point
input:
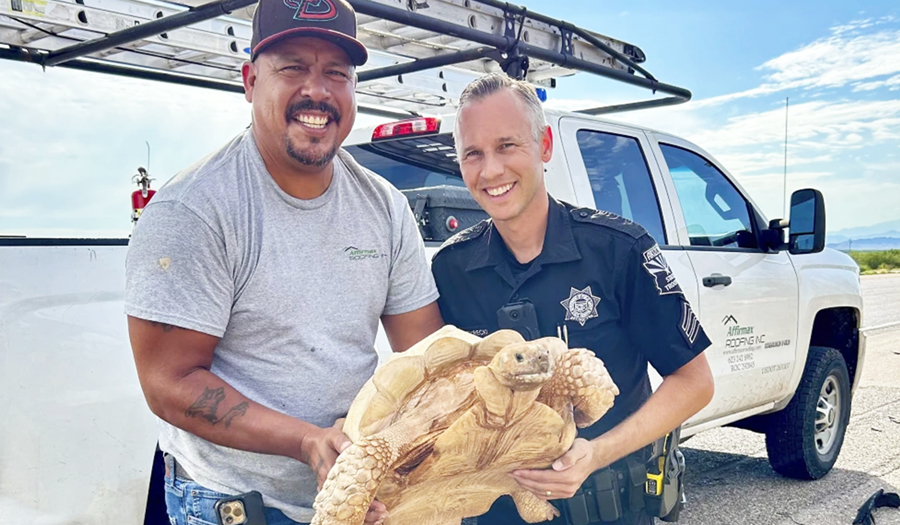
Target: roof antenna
[(148, 154), (784, 198)]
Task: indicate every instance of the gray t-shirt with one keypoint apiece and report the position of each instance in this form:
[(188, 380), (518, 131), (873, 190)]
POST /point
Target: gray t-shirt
[(294, 289)]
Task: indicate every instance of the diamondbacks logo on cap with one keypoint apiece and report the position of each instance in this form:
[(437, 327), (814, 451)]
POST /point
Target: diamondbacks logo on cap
[(315, 10), (581, 305)]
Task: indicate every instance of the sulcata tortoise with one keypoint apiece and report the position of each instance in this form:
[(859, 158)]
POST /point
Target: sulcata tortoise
[(438, 428)]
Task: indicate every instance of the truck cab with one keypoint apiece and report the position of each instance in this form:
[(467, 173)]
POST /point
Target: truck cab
[(768, 306)]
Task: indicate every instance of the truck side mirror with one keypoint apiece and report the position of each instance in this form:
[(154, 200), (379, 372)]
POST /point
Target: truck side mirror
[(807, 222)]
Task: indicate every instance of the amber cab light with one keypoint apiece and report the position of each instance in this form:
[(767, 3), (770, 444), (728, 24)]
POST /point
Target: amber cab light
[(405, 128)]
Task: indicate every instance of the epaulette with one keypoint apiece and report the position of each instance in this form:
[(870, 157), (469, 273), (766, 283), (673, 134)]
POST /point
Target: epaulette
[(470, 233), (609, 220)]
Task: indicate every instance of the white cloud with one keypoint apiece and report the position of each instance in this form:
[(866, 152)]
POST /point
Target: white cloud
[(815, 125), (846, 57), (856, 25), (837, 61), (892, 167), (892, 83)]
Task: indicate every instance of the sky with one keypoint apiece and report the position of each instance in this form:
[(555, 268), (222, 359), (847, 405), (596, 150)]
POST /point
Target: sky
[(70, 141)]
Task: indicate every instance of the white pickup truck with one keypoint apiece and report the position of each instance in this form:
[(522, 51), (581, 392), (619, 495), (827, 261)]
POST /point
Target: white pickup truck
[(783, 317), (77, 438)]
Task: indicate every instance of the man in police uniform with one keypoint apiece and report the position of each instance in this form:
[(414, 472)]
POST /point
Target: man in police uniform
[(593, 278)]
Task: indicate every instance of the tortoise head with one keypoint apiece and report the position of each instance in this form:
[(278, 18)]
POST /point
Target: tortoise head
[(525, 366)]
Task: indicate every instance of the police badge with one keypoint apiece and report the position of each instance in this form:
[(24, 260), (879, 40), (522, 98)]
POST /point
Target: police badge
[(581, 305)]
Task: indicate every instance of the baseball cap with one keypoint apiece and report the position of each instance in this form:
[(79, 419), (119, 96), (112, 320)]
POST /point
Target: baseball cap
[(333, 20)]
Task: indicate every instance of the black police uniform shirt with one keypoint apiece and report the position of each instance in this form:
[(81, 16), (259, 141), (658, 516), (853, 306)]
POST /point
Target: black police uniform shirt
[(600, 275)]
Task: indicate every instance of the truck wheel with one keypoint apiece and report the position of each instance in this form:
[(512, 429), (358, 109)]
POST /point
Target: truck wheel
[(804, 439)]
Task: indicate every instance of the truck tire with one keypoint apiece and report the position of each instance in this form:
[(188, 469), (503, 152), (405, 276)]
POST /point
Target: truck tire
[(804, 439)]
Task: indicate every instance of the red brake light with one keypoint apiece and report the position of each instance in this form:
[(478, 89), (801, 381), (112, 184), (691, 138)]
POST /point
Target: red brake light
[(416, 126)]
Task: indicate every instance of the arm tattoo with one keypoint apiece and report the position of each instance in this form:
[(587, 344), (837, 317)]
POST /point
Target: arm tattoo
[(237, 410), (165, 327), (207, 405)]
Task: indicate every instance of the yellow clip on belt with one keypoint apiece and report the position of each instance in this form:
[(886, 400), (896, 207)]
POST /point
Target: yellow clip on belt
[(655, 481)]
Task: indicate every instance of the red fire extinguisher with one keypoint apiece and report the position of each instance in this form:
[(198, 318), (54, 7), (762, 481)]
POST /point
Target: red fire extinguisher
[(140, 198)]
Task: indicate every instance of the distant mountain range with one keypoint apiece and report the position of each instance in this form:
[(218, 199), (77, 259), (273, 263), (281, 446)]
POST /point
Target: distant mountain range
[(867, 245), (882, 236)]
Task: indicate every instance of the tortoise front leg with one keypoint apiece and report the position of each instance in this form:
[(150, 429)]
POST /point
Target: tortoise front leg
[(583, 380), (532, 508), (353, 481)]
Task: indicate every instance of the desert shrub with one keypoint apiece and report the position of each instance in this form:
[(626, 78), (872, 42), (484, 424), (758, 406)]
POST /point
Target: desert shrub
[(877, 261)]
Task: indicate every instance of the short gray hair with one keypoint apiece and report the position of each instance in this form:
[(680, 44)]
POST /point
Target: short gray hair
[(483, 87)]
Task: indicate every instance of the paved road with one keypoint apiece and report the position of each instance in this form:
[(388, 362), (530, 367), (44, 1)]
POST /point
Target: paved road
[(881, 295), (729, 479)]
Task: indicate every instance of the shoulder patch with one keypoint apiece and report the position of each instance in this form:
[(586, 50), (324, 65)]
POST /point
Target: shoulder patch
[(658, 268), (470, 233), (610, 220)]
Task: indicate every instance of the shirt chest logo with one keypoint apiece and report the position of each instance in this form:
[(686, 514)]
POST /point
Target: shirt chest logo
[(581, 305), (356, 254)]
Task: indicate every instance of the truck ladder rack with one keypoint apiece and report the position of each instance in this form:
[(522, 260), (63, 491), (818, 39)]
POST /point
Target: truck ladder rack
[(422, 52)]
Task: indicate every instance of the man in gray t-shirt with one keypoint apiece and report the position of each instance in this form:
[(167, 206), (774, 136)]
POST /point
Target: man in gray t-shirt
[(256, 279)]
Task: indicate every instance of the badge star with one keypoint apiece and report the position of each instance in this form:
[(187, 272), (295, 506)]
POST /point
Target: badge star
[(581, 305)]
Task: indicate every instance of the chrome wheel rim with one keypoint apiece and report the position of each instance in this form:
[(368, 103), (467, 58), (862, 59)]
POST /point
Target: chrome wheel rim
[(828, 410)]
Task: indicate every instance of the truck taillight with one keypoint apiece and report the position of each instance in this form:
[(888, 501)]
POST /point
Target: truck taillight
[(416, 126)]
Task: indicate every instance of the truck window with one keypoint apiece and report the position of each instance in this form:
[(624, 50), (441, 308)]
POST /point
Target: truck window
[(620, 179), (416, 162), (716, 214)]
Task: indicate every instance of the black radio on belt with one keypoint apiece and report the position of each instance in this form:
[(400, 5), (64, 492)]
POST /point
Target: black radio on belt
[(521, 317)]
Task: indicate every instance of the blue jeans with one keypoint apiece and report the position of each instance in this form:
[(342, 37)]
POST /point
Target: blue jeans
[(189, 503)]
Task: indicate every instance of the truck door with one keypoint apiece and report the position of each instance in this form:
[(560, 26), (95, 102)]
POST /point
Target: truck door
[(748, 295), (612, 169)]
